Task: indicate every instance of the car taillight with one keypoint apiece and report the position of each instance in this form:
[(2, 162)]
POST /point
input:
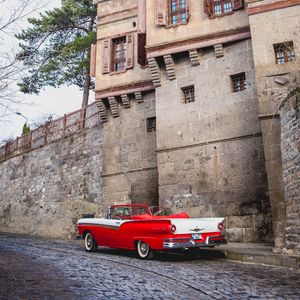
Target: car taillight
[(221, 226), (173, 228)]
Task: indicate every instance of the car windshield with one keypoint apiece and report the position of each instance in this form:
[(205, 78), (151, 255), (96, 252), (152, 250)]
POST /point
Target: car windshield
[(126, 212)]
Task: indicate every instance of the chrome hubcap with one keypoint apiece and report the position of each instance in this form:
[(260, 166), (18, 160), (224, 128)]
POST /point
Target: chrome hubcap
[(143, 249)]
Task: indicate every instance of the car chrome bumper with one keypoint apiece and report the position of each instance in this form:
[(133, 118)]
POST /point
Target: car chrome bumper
[(175, 243)]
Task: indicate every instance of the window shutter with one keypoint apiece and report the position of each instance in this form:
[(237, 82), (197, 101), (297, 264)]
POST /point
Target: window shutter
[(129, 51), (93, 60), (142, 49), (161, 12), (106, 56), (208, 7), (237, 4)]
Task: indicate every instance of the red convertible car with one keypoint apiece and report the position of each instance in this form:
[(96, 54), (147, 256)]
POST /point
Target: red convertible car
[(146, 229)]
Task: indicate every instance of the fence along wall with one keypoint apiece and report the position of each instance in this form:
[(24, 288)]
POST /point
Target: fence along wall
[(51, 176), (51, 131)]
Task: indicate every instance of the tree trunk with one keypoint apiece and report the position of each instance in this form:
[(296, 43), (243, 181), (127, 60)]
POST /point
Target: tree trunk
[(87, 82), (86, 89)]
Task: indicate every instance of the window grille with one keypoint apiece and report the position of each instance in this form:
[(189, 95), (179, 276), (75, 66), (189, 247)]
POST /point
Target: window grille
[(177, 12), (221, 7), (238, 82), (188, 94), (284, 52), (119, 54), (151, 124)]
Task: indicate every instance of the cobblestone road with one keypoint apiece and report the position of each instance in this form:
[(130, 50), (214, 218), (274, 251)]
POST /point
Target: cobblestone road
[(32, 268)]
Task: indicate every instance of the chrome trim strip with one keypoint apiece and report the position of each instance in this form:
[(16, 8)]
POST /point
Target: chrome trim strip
[(113, 227)]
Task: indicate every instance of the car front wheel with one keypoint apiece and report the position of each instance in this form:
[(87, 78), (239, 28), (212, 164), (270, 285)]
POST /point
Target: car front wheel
[(144, 251), (90, 243)]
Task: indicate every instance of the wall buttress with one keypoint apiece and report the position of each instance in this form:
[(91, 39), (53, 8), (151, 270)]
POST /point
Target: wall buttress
[(219, 51), (154, 71), (102, 110), (125, 101), (114, 106), (138, 97), (194, 57), (170, 67)]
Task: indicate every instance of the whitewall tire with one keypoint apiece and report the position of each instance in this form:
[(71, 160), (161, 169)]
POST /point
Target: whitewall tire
[(90, 243), (143, 250)]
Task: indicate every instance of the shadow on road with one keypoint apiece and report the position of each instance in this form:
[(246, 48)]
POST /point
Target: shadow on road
[(173, 256)]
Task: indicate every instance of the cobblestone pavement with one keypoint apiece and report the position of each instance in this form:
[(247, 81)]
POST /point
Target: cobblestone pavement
[(33, 268)]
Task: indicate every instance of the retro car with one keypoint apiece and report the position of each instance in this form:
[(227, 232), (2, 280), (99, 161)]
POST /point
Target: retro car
[(147, 229)]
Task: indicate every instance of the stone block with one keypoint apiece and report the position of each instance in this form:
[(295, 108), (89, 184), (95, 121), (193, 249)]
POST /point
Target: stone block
[(184, 189), (234, 235), (184, 165), (240, 221), (251, 235)]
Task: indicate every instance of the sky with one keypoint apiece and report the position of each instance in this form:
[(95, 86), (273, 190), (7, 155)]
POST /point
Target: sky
[(35, 108)]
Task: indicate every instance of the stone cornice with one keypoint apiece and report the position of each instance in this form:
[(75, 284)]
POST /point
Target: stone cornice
[(221, 37), (271, 6), (124, 89)]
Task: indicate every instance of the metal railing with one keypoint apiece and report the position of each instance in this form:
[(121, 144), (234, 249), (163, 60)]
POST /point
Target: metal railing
[(51, 131)]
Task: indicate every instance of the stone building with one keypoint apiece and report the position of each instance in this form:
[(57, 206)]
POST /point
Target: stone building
[(199, 102), (188, 92)]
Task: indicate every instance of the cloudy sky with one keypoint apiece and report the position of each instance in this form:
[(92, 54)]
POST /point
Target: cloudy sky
[(50, 101)]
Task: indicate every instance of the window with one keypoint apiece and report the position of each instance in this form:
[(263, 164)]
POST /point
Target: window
[(220, 8), (284, 52), (188, 94), (172, 12), (177, 12), (119, 54), (238, 82), (151, 124)]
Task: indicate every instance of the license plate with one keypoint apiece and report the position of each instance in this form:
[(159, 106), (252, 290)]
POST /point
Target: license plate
[(196, 236)]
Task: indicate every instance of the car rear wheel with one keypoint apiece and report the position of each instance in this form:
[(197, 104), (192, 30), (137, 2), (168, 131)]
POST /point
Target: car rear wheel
[(90, 243), (143, 250)]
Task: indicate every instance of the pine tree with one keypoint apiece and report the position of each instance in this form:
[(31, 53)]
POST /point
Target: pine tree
[(26, 129), (56, 47)]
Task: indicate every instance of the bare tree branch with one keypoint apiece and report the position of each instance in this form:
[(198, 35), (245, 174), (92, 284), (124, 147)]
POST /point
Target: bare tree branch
[(11, 69)]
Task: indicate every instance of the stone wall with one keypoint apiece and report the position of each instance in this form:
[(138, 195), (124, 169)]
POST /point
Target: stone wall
[(290, 149), (271, 25), (129, 154), (45, 191), (210, 151)]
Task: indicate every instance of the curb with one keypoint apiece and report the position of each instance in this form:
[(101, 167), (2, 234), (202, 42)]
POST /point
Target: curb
[(267, 259)]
